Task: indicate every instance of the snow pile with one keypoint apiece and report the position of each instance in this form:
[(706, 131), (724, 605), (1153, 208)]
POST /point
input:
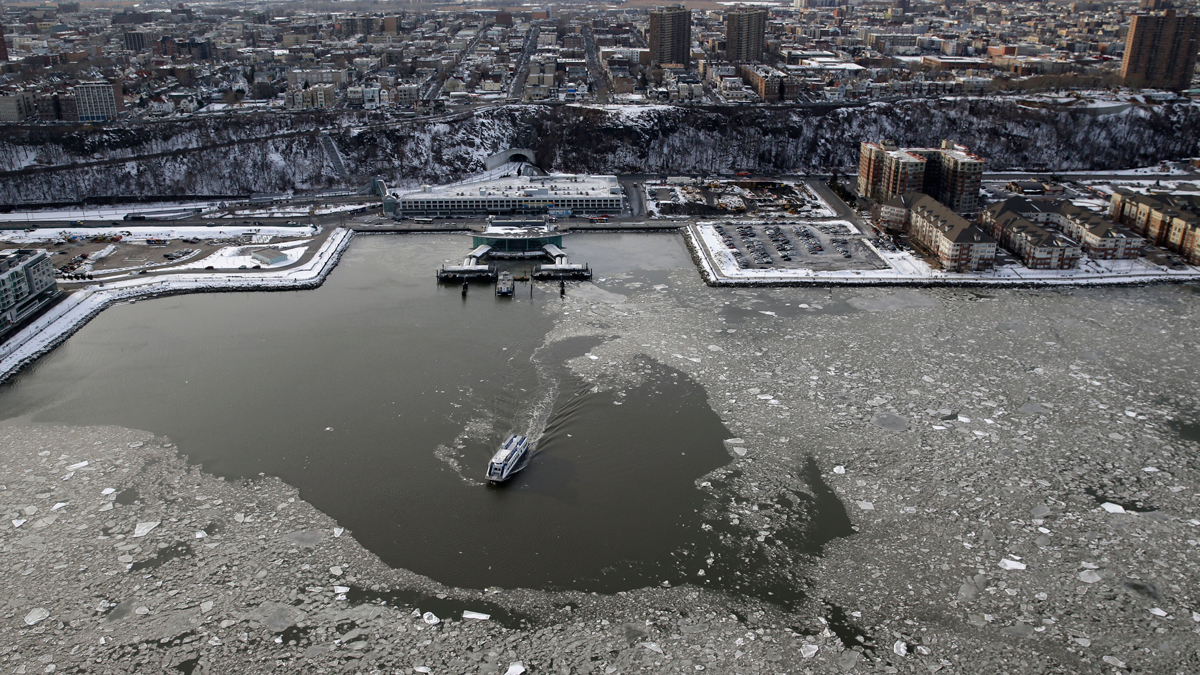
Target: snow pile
[(240, 257)]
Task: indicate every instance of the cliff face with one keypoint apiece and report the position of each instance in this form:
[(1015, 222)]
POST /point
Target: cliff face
[(258, 153)]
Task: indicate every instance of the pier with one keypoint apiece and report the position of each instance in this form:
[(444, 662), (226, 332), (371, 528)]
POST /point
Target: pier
[(517, 239)]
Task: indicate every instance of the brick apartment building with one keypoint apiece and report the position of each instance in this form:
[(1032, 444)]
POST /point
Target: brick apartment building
[(671, 35), (948, 173), (745, 32), (959, 245), (1170, 221), (1160, 50), (1100, 238), (1040, 248)]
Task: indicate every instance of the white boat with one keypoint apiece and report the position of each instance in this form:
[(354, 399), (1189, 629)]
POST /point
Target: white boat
[(504, 284), (509, 459)]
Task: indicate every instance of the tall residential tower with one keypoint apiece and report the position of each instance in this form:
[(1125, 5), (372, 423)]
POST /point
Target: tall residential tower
[(1160, 50), (745, 31), (671, 35)]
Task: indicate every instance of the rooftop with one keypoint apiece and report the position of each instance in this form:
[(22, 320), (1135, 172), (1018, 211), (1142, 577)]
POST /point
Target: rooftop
[(554, 185)]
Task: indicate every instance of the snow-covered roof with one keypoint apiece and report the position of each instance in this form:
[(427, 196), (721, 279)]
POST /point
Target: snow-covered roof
[(554, 185)]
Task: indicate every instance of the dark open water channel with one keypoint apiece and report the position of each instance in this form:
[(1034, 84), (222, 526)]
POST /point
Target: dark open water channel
[(348, 391)]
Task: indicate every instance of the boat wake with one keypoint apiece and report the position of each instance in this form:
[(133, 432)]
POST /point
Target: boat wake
[(537, 415)]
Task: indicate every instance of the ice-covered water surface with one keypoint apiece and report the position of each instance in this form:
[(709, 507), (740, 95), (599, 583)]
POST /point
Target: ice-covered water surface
[(946, 413), (1014, 469), (931, 422)]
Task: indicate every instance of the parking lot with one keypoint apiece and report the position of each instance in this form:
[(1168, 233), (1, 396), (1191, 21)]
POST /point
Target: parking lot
[(798, 245)]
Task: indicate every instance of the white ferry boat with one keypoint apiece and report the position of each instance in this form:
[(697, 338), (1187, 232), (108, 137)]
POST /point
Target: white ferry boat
[(509, 459)]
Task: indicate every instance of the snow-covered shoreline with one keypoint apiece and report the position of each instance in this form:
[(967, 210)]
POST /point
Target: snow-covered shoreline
[(74, 311), (718, 268)]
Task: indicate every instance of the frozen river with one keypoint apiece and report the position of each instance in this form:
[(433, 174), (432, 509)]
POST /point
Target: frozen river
[(790, 445)]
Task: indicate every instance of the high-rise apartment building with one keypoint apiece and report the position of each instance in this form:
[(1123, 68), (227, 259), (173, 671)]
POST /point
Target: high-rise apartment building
[(95, 101), (948, 173), (138, 41), (1160, 50), (671, 35), (3, 45), (745, 32)]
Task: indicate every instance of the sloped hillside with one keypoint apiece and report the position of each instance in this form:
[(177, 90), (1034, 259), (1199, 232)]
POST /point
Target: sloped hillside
[(257, 153)]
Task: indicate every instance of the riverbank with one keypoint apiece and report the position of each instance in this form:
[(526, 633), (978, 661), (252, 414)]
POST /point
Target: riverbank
[(69, 315), (718, 268)]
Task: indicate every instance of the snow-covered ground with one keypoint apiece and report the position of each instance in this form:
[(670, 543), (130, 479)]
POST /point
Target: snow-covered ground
[(717, 265), (161, 231), (298, 211), (236, 257), (1144, 186), (77, 309), (105, 213), (507, 169)]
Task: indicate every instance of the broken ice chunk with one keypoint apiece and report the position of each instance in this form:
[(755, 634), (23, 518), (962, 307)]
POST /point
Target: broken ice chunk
[(468, 614), (839, 469), (431, 619), (35, 615), (77, 466), (1112, 508), (515, 668), (866, 506), (808, 651), (107, 491), (1007, 564), (1089, 577), (143, 529), (337, 531)]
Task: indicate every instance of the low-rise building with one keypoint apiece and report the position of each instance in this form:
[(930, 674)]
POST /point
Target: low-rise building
[(959, 245), (1100, 238), (316, 96), (269, 256), (1170, 221), (26, 285), (298, 77), (1040, 248), (17, 106), (893, 214)]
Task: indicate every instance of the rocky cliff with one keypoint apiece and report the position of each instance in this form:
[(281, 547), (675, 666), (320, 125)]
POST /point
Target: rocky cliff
[(277, 152)]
